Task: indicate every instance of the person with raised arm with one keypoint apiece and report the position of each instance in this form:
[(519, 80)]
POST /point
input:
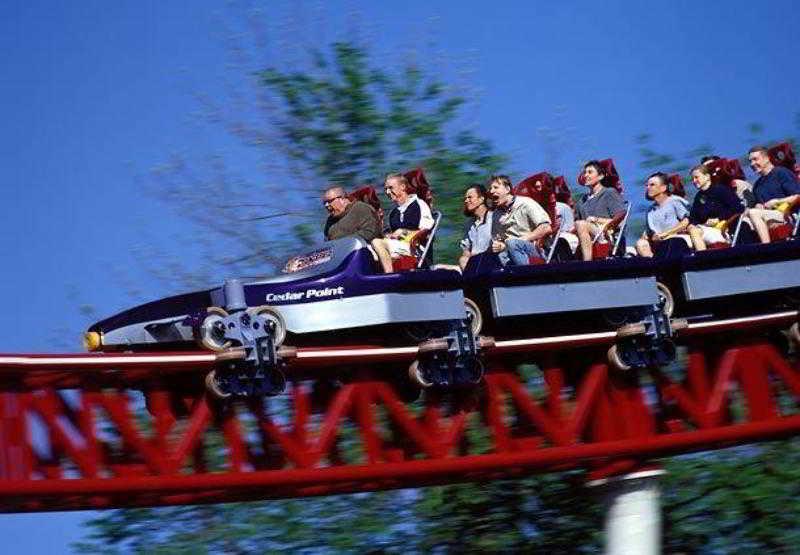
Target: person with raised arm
[(595, 209)]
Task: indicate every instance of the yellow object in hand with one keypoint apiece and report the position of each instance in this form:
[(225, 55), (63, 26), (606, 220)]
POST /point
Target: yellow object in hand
[(783, 207)]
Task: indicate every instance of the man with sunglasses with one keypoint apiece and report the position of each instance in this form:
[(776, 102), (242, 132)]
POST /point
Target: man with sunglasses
[(348, 217)]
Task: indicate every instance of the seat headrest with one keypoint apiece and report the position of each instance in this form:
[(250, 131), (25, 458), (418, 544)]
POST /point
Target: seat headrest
[(783, 155), (366, 194), (612, 178), (561, 189), (725, 170), (675, 185), (419, 185), (539, 187)]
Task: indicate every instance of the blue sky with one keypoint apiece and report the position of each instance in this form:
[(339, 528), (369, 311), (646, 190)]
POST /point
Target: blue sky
[(95, 94)]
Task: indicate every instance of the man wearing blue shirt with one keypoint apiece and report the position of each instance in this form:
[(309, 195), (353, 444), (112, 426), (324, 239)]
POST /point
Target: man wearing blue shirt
[(776, 190)]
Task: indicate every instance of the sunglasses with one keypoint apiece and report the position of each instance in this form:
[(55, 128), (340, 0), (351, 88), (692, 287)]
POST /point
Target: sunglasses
[(327, 201)]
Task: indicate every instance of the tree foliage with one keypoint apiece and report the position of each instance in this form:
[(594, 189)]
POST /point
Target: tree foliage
[(350, 123)]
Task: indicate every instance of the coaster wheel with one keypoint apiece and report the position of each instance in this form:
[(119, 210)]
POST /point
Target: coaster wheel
[(270, 314), (476, 322), (615, 359), (665, 296), (476, 373), (210, 334), (794, 334), (214, 387), (415, 375)]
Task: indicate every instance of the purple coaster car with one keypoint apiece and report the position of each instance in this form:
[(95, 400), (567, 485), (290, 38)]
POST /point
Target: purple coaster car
[(334, 295)]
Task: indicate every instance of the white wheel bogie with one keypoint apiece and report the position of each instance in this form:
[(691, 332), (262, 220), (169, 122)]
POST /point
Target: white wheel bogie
[(471, 308), (212, 385), (271, 314), (794, 334), (206, 332), (669, 299), (415, 375), (615, 359)]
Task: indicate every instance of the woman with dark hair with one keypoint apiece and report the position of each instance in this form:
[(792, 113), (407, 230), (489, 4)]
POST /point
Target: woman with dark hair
[(668, 216), (596, 208)]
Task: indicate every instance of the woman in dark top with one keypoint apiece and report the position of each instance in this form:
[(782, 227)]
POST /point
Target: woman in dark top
[(596, 208), (713, 205)]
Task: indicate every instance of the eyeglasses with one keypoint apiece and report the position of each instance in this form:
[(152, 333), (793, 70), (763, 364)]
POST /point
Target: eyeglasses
[(327, 201)]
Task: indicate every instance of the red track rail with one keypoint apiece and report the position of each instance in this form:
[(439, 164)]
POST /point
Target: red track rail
[(98, 447)]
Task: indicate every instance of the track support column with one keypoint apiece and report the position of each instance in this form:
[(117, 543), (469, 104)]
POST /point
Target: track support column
[(632, 513)]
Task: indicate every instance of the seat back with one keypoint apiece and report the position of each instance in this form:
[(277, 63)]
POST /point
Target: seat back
[(540, 188), (783, 155), (610, 171), (675, 184), (725, 171), (419, 185), (561, 189)]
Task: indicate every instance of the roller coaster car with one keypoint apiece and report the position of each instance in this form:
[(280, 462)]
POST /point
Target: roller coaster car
[(736, 279), (333, 295), (739, 281), (573, 297)]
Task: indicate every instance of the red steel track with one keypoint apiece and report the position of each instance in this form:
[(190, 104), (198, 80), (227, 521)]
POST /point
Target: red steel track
[(122, 430)]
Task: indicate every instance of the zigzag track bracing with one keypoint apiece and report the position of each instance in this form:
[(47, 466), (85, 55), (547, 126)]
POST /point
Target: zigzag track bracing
[(154, 441)]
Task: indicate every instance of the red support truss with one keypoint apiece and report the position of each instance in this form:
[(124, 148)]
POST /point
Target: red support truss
[(165, 443)]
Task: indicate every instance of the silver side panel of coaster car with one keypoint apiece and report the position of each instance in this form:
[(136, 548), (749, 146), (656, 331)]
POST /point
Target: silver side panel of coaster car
[(740, 280), (570, 297), (335, 314), (372, 310)]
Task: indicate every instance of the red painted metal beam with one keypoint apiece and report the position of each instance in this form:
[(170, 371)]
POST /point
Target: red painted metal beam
[(116, 447)]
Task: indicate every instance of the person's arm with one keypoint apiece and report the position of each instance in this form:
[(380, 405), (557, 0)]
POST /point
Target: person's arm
[(425, 215), (696, 213), (680, 227), (539, 220), (789, 187), (464, 258), (542, 230)]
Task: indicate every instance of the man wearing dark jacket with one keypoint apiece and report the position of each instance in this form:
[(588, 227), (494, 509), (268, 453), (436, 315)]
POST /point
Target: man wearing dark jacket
[(349, 218)]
